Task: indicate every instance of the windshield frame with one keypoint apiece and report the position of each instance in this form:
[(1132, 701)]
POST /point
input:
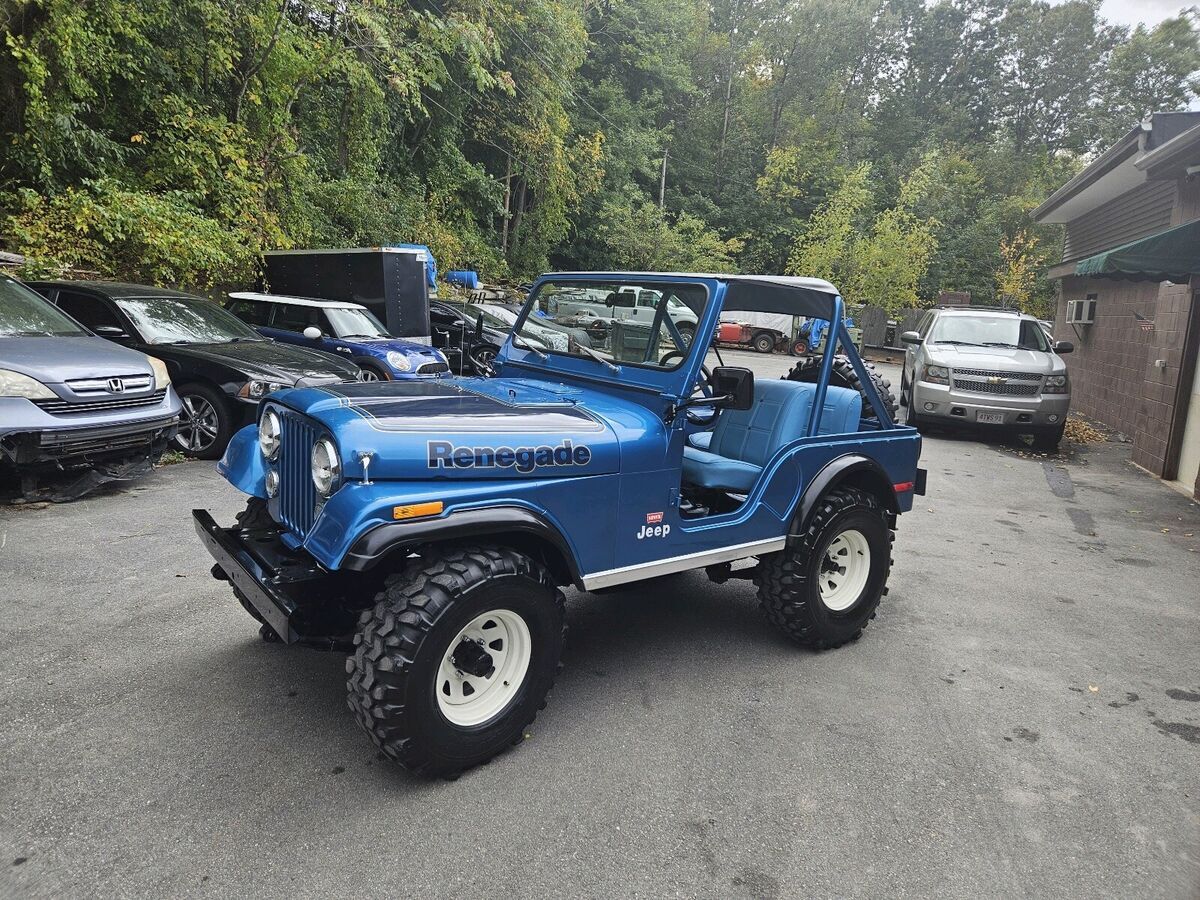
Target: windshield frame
[(666, 289), (43, 305), (146, 328)]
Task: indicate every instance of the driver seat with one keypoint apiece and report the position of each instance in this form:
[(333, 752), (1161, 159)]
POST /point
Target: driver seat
[(732, 456)]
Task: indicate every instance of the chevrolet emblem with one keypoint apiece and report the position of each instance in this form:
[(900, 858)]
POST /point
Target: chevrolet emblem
[(995, 379)]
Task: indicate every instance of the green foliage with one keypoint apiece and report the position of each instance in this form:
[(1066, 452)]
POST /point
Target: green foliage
[(895, 146)]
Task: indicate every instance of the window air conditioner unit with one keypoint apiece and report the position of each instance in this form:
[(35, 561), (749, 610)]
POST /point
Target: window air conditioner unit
[(1082, 312)]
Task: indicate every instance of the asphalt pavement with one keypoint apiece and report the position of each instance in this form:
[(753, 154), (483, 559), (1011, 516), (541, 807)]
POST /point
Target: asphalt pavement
[(1022, 718)]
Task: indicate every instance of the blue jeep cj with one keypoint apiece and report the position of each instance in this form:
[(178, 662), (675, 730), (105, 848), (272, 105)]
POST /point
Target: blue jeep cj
[(427, 526)]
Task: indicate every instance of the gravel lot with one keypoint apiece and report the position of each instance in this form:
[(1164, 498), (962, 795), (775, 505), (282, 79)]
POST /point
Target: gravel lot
[(1022, 718)]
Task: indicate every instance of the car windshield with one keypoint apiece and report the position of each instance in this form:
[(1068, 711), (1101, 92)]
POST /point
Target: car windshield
[(185, 320), (989, 331), (639, 324), (349, 322), (24, 313)]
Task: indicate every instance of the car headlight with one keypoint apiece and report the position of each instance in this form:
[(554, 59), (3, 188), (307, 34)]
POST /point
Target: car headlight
[(326, 467), (256, 390), (398, 361), (1056, 384), (937, 374), (161, 376), (268, 435), (14, 384)]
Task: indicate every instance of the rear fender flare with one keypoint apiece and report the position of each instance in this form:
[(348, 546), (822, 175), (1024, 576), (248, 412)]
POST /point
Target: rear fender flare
[(853, 470), (513, 526)]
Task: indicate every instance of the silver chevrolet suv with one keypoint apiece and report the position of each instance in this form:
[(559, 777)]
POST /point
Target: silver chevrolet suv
[(986, 368)]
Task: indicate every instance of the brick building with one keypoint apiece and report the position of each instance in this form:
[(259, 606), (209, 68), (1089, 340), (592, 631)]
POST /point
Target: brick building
[(1132, 246)]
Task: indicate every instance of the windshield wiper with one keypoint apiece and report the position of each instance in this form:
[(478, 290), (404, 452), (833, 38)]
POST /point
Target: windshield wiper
[(524, 345), (998, 344), (588, 351), (959, 343)]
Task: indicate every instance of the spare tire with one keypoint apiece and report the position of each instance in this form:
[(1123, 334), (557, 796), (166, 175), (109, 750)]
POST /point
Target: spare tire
[(843, 375)]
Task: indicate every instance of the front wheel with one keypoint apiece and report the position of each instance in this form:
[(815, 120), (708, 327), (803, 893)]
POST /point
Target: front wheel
[(205, 422), (1048, 439), (456, 657), (686, 334), (823, 589)]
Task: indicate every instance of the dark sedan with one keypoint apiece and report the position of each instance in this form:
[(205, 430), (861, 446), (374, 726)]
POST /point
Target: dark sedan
[(220, 366)]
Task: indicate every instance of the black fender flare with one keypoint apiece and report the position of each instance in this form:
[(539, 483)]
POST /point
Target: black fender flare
[(853, 468), (520, 527)]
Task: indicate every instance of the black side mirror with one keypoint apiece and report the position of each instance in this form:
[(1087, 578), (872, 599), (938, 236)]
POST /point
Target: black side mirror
[(911, 337), (111, 331), (479, 327), (733, 387), (1061, 347)]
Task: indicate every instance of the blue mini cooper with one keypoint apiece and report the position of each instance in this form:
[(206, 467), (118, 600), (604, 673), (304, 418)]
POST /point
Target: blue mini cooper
[(347, 329)]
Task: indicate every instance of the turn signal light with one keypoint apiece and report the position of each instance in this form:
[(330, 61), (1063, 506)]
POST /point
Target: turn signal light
[(417, 510)]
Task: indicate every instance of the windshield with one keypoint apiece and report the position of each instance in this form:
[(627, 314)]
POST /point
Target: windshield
[(184, 320), (989, 331), (637, 324), (24, 313), (349, 322)]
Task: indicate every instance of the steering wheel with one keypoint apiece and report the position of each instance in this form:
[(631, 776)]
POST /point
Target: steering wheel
[(700, 415)]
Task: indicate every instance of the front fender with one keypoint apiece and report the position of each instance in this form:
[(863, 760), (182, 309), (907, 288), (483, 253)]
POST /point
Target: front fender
[(242, 465)]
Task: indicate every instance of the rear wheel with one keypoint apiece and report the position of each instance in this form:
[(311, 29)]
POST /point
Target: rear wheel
[(763, 342), (456, 657), (822, 591)]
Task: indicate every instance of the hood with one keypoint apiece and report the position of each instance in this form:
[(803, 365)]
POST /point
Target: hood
[(53, 360), (263, 360), (1008, 359), (461, 428)]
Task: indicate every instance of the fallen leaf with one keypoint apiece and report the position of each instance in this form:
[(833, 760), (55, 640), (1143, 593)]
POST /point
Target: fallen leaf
[(1094, 688)]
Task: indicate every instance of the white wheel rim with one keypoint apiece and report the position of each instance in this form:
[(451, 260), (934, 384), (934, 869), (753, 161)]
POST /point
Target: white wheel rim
[(844, 570), (369, 375), (467, 695)]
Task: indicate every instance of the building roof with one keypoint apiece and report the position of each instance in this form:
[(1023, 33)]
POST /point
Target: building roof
[(1145, 152), (295, 301)]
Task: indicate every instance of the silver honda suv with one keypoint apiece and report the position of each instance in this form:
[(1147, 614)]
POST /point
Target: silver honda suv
[(986, 368)]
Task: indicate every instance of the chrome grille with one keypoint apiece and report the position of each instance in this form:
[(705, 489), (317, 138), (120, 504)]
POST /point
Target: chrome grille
[(432, 368), (84, 386), (1001, 390), (59, 407), (297, 494), (1011, 376)]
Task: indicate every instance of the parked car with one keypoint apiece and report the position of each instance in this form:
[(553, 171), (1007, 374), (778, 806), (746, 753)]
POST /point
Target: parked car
[(70, 399), (426, 528), (220, 366), (454, 333), (334, 326), (986, 368)]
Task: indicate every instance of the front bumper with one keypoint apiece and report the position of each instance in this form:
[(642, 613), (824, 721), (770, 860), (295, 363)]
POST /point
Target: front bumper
[(941, 403), (301, 601), (88, 444)]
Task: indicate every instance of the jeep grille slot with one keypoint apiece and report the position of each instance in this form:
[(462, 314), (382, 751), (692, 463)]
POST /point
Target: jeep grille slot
[(297, 493)]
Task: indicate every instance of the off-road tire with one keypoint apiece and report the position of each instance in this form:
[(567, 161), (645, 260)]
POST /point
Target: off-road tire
[(843, 375), (401, 640), (787, 580)]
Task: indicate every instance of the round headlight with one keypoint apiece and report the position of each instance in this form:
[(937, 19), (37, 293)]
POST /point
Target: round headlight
[(326, 467), (268, 435), (398, 361)]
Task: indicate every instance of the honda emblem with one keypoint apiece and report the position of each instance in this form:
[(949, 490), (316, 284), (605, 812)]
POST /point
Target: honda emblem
[(116, 386)]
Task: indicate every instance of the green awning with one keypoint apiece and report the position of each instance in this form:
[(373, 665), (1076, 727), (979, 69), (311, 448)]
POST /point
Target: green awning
[(1171, 255)]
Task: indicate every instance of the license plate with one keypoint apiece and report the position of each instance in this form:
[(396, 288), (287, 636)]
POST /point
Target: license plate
[(989, 418)]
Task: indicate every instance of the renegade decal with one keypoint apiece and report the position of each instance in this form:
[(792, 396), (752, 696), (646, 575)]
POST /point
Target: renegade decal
[(444, 455)]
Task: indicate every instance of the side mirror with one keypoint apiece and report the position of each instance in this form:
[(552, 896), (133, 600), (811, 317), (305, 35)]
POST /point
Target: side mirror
[(313, 333), (733, 387), (111, 331), (911, 337), (1061, 347)]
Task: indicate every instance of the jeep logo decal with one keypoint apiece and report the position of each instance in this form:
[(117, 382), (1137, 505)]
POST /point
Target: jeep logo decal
[(444, 455)]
